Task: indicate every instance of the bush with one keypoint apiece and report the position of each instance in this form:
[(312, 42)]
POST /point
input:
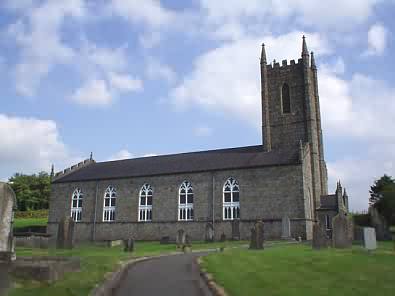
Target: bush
[(31, 214), (361, 219)]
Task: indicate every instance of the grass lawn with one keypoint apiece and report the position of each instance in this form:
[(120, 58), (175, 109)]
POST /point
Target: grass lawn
[(298, 270), (24, 222), (96, 261)]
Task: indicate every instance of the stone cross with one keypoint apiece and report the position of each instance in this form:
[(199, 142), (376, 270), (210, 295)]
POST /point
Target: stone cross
[(209, 237), (180, 239), (257, 236), (7, 206), (236, 229), (341, 231), (320, 239), (369, 238), (286, 228), (65, 239)]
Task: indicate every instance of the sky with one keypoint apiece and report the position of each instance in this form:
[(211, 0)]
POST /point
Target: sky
[(131, 78)]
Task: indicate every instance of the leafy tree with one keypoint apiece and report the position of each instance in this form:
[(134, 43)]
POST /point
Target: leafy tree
[(386, 204), (32, 191), (376, 191)]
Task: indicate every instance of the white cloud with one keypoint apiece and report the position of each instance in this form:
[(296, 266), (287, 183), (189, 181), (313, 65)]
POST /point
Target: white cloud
[(148, 12), (93, 93), (377, 40), (337, 14), (124, 83), (122, 154), (125, 154), (157, 70), (29, 145), (227, 78), (203, 131), (37, 33)]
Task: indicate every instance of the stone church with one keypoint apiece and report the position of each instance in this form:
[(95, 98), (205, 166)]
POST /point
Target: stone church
[(152, 197)]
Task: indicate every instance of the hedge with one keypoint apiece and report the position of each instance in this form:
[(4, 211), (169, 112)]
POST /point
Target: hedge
[(31, 214)]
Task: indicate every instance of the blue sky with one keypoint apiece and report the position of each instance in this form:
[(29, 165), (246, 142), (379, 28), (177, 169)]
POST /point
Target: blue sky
[(128, 78)]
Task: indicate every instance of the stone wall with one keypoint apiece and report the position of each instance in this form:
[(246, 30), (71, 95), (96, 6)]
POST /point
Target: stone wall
[(269, 193)]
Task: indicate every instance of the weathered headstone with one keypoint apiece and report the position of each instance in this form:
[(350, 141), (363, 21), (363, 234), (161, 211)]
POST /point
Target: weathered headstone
[(188, 240), (369, 238), (180, 240), (7, 206), (286, 228), (257, 236), (320, 239), (236, 229), (223, 237), (209, 237), (165, 240), (128, 245), (65, 239), (341, 237), (378, 222)]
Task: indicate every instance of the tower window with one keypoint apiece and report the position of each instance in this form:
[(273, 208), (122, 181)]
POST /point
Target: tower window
[(286, 100)]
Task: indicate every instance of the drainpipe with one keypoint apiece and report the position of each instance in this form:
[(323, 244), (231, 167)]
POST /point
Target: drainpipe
[(94, 217), (212, 202)]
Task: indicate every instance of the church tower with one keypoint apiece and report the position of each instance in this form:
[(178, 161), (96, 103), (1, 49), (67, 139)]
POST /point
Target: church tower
[(291, 112)]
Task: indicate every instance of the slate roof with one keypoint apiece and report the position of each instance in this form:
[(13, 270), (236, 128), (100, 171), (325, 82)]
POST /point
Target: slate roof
[(328, 202), (221, 159)]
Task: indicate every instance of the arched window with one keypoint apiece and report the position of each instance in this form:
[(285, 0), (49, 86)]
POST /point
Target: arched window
[(286, 100), (231, 204), (328, 222), (185, 202), (110, 197), (76, 205), (145, 204)]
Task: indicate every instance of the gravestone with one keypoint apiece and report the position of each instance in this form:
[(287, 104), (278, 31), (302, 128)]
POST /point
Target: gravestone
[(236, 229), (7, 206), (65, 239), (341, 237), (180, 239), (286, 228), (188, 240), (320, 239), (165, 240), (257, 237), (223, 237), (128, 245), (378, 222), (209, 237), (369, 238)]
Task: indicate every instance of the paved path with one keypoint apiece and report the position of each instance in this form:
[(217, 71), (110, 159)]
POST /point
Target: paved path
[(176, 275)]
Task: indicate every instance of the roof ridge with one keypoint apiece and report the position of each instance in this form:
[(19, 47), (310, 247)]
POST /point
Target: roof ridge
[(181, 153)]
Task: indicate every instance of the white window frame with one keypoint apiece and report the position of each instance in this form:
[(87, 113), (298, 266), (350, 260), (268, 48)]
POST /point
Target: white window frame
[(76, 211), (145, 210), (231, 210), (185, 210), (109, 211)]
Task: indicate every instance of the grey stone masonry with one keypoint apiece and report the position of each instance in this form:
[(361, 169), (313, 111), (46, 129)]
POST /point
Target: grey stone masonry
[(7, 206)]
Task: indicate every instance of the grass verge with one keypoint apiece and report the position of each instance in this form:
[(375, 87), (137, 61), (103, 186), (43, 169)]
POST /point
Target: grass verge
[(96, 261), (24, 222), (298, 270)]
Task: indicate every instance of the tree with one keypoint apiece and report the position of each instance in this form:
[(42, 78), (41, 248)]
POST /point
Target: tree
[(376, 191), (386, 204), (32, 191)]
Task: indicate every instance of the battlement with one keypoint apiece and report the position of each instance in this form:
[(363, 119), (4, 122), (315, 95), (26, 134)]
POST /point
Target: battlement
[(284, 64), (73, 168)]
